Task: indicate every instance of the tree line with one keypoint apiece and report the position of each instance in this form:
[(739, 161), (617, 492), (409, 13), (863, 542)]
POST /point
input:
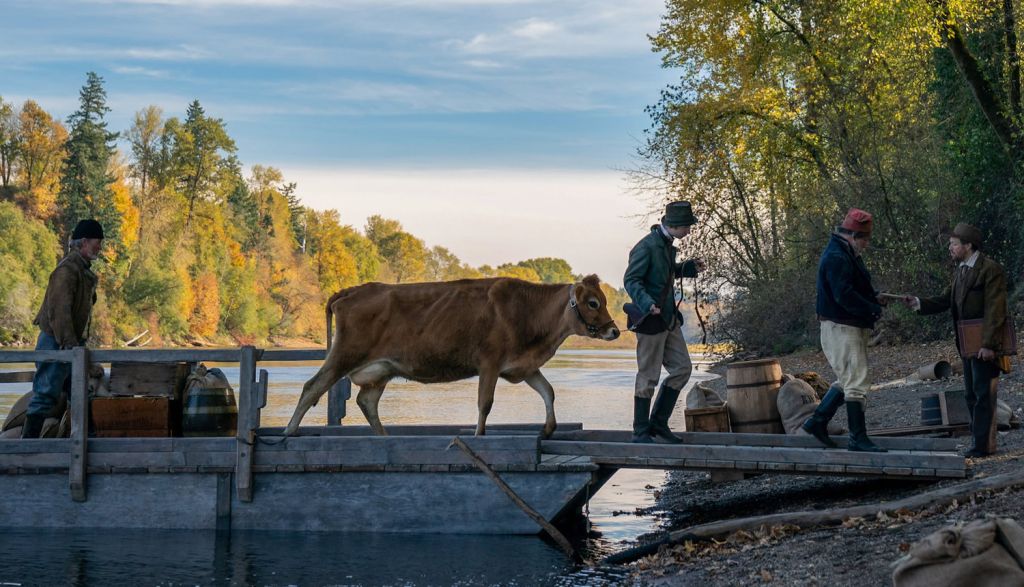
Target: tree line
[(786, 113), (196, 249)]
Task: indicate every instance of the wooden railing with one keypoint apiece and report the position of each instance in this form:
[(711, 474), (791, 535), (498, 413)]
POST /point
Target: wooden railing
[(251, 394)]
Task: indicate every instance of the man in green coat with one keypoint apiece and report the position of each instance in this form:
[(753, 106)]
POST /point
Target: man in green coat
[(63, 320), (649, 281), (976, 291)]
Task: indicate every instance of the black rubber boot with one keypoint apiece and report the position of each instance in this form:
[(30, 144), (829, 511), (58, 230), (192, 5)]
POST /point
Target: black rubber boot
[(642, 420), (663, 406), (817, 424), (33, 426), (859, 441)]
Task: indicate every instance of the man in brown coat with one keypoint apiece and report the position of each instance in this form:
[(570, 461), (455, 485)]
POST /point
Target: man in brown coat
[(977, 291), (63, 320)]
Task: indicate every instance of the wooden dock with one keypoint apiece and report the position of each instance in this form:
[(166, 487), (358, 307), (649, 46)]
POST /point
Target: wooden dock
[(908, 458)]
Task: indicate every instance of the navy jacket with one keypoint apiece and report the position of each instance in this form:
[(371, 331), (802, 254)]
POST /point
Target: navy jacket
[(845, 293)]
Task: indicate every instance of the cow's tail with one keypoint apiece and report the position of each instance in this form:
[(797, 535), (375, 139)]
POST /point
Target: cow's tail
[(330, 315)]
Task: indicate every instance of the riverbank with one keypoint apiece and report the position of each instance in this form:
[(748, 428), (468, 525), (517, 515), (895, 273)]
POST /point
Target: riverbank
[(858, 552)]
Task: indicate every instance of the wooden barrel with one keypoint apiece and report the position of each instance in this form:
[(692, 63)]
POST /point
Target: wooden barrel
[(753, 389), (209, 412)]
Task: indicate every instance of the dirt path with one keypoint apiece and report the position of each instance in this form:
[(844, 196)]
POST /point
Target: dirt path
[(858, 553)]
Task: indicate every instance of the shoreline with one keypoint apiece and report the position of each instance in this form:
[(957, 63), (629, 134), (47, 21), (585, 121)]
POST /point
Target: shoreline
[(858, 552)]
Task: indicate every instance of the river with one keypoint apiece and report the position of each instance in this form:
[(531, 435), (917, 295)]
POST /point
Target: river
[(593, 387)]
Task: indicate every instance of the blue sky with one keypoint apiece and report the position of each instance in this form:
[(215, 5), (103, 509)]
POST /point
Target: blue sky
[(496, 128)]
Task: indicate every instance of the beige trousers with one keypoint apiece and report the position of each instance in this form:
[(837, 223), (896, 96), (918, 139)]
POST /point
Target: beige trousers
[(846, 348), (653, 351)]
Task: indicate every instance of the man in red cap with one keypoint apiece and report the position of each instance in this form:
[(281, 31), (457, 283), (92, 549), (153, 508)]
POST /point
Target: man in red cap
[(976, 294), (848, 307)]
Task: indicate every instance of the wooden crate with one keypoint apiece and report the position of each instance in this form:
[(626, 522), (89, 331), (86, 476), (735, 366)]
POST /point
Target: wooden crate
[(148, 379), (953, 407), (135, 416), (713, 419)]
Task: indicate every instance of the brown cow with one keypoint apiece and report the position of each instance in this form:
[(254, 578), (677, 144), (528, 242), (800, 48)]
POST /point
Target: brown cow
[(440, 332)]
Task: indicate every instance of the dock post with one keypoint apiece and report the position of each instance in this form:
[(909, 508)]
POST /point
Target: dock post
[(79, 399), (336, 398), (248, 409)]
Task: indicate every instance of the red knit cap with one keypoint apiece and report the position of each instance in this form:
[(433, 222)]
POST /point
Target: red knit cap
[(858, 221)]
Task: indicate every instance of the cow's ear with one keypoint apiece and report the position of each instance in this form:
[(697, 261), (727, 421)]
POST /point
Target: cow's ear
[(592, 281)]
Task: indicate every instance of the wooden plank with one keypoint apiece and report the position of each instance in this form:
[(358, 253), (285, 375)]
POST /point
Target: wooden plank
[(223, 460), (448, 430), (131, 445), (79, 406), (600, 450), (293, 355), (166, 355), (339, 393), (17, 376), (35, 356), (35, 445), (43, 459), (246, 435), (779, 440), (138, 459)]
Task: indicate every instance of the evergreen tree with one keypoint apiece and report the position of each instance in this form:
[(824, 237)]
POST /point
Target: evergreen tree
[(86, 183)]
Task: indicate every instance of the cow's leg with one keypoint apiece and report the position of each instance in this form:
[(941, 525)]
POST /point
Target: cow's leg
[(368, 398), (540, 384), (485, 398), (329, 374)]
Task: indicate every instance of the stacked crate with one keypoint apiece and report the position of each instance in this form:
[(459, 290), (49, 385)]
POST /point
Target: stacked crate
[(143, 399)]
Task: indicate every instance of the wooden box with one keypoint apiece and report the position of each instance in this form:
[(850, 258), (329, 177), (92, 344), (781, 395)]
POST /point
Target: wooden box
[(953, 407), (135, 416), (713, 419), (148, 379)]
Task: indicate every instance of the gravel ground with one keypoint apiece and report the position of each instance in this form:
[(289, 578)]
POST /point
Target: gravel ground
[(859, 552)]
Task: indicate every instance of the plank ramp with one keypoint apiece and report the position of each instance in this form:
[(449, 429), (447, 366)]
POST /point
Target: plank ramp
[(907, 458)]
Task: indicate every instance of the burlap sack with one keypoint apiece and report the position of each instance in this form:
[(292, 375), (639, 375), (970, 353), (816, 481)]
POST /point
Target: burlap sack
[(797, 400), (701, 396), (983, 553), (1005, 418)]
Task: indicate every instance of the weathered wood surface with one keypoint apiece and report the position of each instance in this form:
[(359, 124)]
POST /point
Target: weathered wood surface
[(951, 430), (248, 421), (764, 458), (780, 440), (17, 376), (448, 430), (79, 407), (150, 378)]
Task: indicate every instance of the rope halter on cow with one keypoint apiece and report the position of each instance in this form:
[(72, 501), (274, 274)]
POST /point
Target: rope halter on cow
[(592, 329)]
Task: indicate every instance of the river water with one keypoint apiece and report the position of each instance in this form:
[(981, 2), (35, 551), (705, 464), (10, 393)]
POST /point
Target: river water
[(593, 387)]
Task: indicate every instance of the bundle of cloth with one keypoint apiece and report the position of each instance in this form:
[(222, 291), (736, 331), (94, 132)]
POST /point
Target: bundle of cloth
[(981, 553)]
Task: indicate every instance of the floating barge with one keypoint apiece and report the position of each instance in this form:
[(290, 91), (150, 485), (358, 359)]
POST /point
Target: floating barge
[(345, 479), (329, 478)]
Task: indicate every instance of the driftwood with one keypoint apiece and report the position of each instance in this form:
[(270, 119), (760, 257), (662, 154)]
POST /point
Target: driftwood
[(557, 536), (807, 519)]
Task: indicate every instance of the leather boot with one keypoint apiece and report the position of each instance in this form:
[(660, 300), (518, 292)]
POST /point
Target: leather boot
[(859, 441), (663, 406), (817, 424), (33, 425), (642, 420)]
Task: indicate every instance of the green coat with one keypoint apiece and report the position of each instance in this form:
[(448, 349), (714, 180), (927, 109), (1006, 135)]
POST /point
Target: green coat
[(983, 296), (651, 269), (68, 302)]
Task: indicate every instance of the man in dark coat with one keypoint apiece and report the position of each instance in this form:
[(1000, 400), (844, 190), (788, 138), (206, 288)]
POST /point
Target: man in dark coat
[(63, 320), (848, 307), (977, 291), (649, 280)]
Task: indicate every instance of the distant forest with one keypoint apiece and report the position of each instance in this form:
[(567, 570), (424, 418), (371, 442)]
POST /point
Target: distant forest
[(197, 252)]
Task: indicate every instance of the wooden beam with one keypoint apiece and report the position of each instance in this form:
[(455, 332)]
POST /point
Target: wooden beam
[(744, 439), (17, 376), (246, 430), (79, 422)]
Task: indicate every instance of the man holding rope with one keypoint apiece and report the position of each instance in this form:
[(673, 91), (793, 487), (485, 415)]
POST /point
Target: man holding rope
[(659, 335)]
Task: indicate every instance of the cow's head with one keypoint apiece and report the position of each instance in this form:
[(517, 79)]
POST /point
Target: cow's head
[(591, 307)]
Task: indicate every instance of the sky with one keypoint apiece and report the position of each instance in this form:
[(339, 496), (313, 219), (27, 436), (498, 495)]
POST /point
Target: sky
[(499, 129)]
